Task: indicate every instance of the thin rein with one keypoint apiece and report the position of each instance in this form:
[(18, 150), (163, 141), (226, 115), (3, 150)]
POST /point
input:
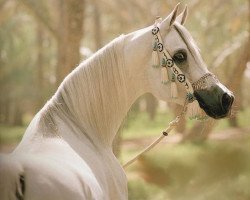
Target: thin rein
[(164, 134)]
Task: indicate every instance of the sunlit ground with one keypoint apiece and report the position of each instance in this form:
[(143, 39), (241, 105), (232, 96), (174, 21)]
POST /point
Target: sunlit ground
[(213, 170), (218, 169)]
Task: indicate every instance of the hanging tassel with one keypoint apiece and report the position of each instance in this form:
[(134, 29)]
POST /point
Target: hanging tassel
[(173, 87), (195, 112), (155, 56), (164, 72), (174, 92), (164, 75)]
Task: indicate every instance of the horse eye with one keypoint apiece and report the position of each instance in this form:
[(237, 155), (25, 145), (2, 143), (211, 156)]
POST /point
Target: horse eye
[(180, 57)]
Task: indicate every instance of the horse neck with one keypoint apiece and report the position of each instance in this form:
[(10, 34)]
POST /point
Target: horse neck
[(98, 93)]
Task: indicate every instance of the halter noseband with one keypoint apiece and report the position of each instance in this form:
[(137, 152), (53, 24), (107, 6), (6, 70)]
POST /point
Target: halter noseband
[(171, 71)]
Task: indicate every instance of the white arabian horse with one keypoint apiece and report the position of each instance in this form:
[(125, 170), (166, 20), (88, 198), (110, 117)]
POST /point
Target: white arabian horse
[(66, 152)]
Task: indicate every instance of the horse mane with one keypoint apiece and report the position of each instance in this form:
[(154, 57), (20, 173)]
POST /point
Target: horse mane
[(91, 94)]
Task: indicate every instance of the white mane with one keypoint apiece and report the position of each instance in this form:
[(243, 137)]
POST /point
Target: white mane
[(91, 95)]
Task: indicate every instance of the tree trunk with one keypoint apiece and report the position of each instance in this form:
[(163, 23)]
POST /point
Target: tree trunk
[(200, 131), (69, 38), (97, 26), (151, 105), (2, 107), (6, 111), (1, 111), (40, 65), (18, 115), (235, 81)]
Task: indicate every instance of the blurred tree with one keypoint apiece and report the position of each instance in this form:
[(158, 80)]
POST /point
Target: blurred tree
[(219, 26), (40, 62), (151, 106), (15, 69), (224, 46), (235, 81), (2, 2), (70, 32), (97, 25), (67, 28)]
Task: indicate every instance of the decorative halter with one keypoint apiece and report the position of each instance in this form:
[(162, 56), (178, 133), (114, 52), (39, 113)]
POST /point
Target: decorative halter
[(170, 72)]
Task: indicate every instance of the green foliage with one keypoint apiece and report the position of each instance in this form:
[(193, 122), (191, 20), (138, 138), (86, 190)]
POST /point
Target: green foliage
[(215, 170), (16, 66), (139, 125), (11, 135), (140, 190), (16, 60), (244, 116)]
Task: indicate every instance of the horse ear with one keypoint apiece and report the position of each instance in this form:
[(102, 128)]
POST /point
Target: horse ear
[(183, 16), (170, 19)]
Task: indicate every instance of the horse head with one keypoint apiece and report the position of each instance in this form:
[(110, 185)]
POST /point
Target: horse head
[(213, 97)]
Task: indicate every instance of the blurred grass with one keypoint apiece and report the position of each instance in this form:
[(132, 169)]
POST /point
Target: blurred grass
[(140, 125), (218, 170), (137, 126), (10, 134), (213, 170)]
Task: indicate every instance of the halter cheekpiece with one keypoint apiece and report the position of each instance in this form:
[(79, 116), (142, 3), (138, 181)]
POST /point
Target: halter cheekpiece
[(170, 72)]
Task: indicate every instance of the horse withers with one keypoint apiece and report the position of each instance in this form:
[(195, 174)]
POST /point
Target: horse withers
[(66, 152)]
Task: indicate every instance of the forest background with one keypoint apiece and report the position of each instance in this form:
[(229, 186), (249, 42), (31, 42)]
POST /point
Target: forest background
[(42, 41)]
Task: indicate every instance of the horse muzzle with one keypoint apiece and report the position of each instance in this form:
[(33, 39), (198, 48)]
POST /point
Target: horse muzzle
[(216, 101)]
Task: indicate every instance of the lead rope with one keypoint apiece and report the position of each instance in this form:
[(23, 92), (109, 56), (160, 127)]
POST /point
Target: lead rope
[(164, 134)]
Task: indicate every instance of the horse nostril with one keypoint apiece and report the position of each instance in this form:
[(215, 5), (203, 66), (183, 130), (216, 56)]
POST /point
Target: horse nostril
[(227, 101)]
